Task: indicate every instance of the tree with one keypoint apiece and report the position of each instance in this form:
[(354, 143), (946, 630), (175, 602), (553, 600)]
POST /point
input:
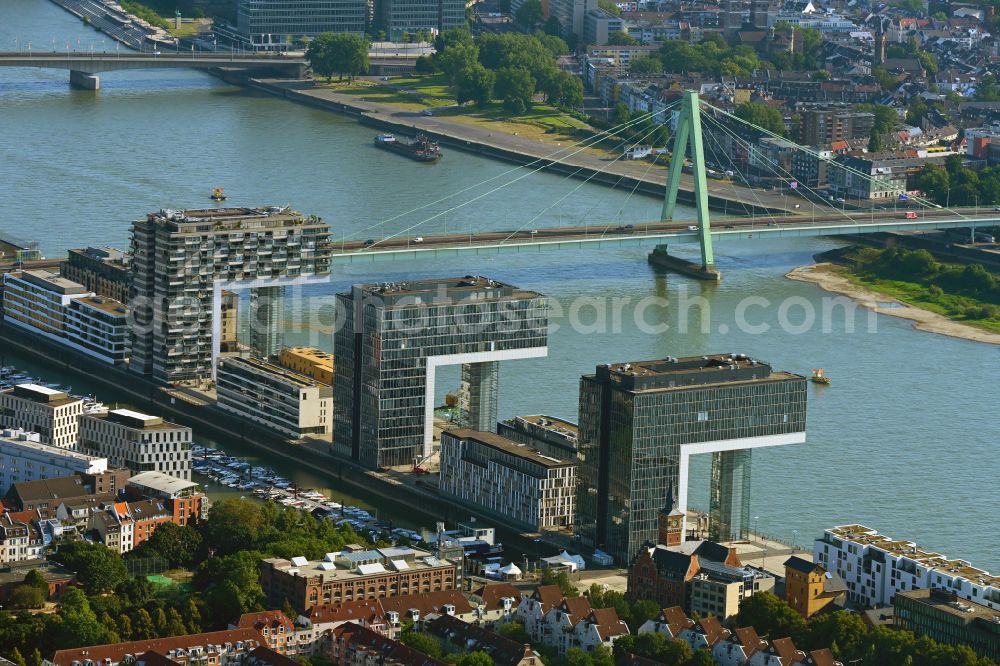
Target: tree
[(422, 643), (36, 579), (620, 38), (143, 628), (700, 658), (18, 658), (770, 616), (515, 86), (232, 525), (643, 610), (646, 65), (475, 658), (26, 596), (475, 84), (80, 625), (620, 114), (529, 14), (457, 59), (231, 585), (564, 90), (515, 631), (98, 569), (451, 37), (844, 630), (175, 624), (175, 543), (560, 578), (762, 115), (610, 7), (987, 90), (338, 53), (552, 26), (35, 658)]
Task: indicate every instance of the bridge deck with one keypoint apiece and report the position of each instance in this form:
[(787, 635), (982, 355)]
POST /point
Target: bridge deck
[(653, 233)]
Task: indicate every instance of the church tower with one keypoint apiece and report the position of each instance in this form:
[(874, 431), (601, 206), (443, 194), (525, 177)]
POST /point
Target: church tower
[(670, 523)]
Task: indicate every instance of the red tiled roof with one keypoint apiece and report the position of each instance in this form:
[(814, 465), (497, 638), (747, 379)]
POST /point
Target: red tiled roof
[(608, 623), (117, 651), (492, 594), (751, 642), (785, 649), (576, 607), (713, 630), (548, 595), (270, 619), (822, 658)]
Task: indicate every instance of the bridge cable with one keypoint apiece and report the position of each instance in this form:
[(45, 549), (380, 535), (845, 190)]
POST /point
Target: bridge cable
[(734, 169), (547, 163), (921, 200), (574, 190)]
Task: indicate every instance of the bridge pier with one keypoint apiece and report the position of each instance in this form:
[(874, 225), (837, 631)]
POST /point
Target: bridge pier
[(83, 80), (659, 258)]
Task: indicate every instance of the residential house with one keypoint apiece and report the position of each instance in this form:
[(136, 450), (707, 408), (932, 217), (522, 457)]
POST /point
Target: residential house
[(459, 636), (215, 648)]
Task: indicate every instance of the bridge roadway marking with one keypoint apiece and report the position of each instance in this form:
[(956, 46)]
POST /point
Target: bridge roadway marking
[(638, 238)]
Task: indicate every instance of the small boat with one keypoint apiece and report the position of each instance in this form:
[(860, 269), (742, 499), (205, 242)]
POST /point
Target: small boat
[(819, 377), (218, 194)]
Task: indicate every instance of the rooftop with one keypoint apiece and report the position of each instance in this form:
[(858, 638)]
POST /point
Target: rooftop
[(274, 371), (505, 445), (345, 565), (442, 290), (42, 394), (949, 603), (672, 373), (868, 537), (53, 282), (47, 449), (553, 423), (201, 220), (163, 483), (211, 642), (104, 304)]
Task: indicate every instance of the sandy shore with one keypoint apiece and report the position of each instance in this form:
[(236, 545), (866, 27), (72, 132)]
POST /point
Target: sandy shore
[(828, 277)]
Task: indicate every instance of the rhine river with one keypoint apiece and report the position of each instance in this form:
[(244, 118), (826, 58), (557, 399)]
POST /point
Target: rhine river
[(905, 440)]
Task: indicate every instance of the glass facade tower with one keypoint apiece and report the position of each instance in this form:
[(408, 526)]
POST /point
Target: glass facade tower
[(639, 423), (272, 24), (391, 338), (399, 17)]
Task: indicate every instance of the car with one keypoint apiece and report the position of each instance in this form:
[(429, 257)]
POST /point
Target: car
[(772, 223), (533, 232), (797, 205), (840, 199), (692, 227), (997, 208), (418, 239), (427, 112), (386, 78), (730, 226), (910, 215), (369, 242)]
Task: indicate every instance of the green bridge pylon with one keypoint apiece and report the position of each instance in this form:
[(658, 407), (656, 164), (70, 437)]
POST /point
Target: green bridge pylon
[(689, 132)]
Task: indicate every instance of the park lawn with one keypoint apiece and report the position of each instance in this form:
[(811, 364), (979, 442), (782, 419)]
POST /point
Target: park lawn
[(948, 305), (396, 94), (186, 29)]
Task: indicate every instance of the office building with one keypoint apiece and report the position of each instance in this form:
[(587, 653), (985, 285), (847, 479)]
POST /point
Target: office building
[(408, 17), (354, 574), (140, 442), (549, 435), (599, 25), (50, 413), (185, 499), (182, 260), (24, 458), (507, 479), (853, 177), (308, 361), (718, 589), (393, 338), (64, 312), (821, 126), (944, 617), (286, 402), (102, 270), (639, 424), (569, 13), (277, 25), (876, 567)]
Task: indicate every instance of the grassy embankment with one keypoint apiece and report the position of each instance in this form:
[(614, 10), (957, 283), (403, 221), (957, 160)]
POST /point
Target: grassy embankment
[(968, 294), (416, 93)]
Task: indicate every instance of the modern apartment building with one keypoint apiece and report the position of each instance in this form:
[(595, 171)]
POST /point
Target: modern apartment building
[(182, 260), (639, 424), (24, 458), (288, 403), (102, 270), (821, 126), (507, 479), (50, 413), (876, 567), (354, 574), (63, 311), (947, 619), (280, 24), (408, 17), (549, 435), (599, 25), (140, 442), (570, 13), (308, 361), (393, 338)]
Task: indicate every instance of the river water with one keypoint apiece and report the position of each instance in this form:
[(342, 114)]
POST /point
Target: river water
[(904, 440)]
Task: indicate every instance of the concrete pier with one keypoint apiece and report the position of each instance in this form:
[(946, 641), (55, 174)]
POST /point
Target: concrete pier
[(659, 258), (83, 80)]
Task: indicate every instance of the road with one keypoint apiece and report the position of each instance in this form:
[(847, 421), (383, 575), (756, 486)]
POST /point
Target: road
[(807, 217)]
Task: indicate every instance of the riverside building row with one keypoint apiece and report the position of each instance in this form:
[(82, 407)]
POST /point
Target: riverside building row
[(877, 568), (43, 303), (24, 458), (511, 480)]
